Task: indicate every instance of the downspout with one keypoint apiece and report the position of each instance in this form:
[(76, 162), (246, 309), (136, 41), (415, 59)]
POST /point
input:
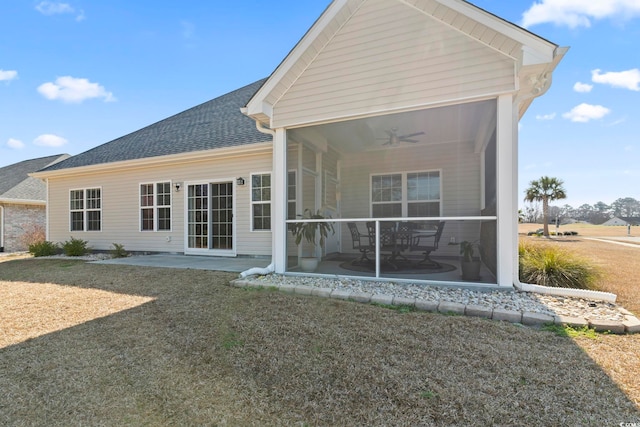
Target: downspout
[(271, 267)]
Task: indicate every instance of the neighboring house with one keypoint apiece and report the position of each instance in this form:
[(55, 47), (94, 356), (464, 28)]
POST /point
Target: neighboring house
[(22, 201), (622, 221), (385, 109)]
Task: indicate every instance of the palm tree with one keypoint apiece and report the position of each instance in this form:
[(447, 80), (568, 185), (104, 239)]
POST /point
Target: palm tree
[(545, 190)]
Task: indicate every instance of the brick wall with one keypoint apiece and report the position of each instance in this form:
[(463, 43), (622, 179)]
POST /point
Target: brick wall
[(18, 219)]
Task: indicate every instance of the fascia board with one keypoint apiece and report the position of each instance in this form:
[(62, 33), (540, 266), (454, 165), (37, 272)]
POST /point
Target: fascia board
[(23, 202), (195, 156), (533, 42), (256, 104)]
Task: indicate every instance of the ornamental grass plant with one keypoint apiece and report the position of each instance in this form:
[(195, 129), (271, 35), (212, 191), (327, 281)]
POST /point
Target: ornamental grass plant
[(548, 265)]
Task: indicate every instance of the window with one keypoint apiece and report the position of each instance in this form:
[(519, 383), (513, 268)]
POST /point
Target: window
[(261, 201), (155, 206), (85, 208), (413, 194)]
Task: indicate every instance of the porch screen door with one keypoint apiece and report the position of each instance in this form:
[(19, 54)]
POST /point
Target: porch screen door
[(210, 216)]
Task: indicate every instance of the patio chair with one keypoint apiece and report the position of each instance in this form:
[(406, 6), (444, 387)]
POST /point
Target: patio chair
[(426, 244), (360, 242), (389, 247)]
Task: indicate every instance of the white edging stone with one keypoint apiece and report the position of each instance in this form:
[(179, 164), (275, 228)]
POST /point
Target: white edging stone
[(478, 311), (451, 307), (382, 299), (426, 305), (507, 315), (340, 294), (532, 319), (361, 297), (404, 301), (601, 325), (574, 322), (631, 324)]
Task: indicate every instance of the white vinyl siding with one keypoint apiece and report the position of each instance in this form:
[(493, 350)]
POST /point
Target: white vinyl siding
[(155, 206), (85, 209), (121, 204), (408, 61)]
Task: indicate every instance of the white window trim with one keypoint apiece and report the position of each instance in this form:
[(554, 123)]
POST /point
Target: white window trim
[(252, 203), (85, 210), (405, 199), (155, 206)]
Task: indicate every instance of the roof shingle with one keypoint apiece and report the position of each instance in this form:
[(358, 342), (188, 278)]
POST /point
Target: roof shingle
[(16, 184)]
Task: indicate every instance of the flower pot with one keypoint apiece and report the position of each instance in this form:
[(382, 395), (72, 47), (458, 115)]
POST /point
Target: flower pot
[(309, 265), (470, 269)]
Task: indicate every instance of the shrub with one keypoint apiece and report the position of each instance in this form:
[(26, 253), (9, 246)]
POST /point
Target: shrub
[(118, 251), (43, 248), (549, 266), (75, 247), (32, 234)]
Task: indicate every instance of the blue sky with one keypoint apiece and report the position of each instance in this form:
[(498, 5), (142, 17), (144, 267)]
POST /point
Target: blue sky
[(77, 73)]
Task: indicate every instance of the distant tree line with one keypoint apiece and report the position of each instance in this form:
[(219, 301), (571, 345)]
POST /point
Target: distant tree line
[(597, 213)]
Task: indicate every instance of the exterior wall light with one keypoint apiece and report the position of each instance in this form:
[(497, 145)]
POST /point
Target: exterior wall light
[(177, 185), (240, 181)]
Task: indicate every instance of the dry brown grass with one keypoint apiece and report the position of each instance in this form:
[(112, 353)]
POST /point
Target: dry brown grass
[(199, 352)]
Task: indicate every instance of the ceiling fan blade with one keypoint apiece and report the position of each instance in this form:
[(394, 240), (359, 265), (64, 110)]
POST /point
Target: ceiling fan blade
[(411, 135), (408, 140)]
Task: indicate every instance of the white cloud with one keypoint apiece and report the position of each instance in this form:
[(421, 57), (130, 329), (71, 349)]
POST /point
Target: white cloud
[(51, 8), (585, 112), (71, 89), (56, 8), (546, 116), (578, 13), (629, 79), (582, 87), (15, 143), (49, 140), (7, 75)]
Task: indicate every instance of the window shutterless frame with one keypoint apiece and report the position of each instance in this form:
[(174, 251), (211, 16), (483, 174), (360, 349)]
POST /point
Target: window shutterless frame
[(155, 206), (406, 194), (85, 209), (260, 200)]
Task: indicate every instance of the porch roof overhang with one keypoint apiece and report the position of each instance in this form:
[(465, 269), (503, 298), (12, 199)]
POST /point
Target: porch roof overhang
[(534, 58)]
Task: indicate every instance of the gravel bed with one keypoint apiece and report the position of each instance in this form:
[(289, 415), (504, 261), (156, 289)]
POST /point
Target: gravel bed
[(510, 299)]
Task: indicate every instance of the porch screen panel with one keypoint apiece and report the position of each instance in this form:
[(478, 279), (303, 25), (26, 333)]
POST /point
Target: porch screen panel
[(198, 216), (222, 215)]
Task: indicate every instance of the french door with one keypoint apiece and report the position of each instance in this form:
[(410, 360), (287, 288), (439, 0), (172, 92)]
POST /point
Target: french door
[(210, 225)]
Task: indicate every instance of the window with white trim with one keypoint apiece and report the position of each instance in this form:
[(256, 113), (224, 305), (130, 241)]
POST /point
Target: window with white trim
[(85, 209), (261, 202), (155, 206), (409, 194)]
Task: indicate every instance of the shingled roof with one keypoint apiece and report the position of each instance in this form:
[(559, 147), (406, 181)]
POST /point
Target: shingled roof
[(16, 184), (214, 124)]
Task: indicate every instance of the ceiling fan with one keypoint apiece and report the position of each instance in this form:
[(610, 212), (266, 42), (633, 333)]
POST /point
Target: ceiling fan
[(393, 138)]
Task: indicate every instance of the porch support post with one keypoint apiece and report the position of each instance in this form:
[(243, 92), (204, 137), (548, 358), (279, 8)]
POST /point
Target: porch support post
[(279, 201), (507, 207)]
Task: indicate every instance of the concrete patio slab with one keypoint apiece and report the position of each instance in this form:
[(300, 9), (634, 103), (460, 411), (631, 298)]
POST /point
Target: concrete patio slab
[(229, 264)]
